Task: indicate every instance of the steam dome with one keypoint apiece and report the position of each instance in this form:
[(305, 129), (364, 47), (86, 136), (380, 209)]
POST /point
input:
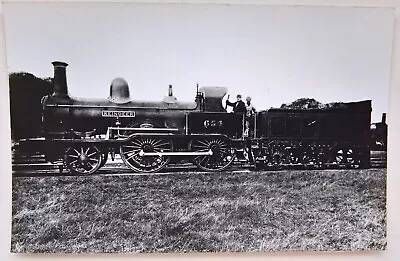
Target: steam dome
[(119, 91)]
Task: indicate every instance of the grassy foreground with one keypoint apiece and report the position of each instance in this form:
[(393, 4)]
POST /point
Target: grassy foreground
[(256, 211)]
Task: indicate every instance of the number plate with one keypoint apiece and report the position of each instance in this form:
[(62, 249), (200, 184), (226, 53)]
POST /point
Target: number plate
[(119, 114)]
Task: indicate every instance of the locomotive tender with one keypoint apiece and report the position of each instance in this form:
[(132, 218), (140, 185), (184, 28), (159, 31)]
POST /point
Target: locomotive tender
[(83, 133)]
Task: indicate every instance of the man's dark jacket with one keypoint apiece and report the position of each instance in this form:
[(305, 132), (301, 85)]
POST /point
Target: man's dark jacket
[(238, 107)]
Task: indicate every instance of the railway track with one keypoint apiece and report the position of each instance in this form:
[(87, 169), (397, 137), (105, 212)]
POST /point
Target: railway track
[(31, 165)]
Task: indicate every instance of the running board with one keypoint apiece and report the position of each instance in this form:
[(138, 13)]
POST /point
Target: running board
[(177, 153)]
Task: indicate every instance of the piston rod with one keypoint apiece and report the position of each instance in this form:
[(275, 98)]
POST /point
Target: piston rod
[(176, 153)]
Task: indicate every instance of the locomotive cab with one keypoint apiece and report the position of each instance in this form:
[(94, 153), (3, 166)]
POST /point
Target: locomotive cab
[(213, 97)]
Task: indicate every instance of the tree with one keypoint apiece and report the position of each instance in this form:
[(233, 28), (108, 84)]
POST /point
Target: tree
[(303, 103), (310, 103), (26, 93)]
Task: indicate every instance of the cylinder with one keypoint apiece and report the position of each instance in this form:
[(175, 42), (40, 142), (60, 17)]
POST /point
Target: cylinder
[(60, 79)]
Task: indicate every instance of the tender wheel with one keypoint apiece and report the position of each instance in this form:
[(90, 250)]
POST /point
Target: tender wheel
[(260, 165), (319, 158), (131, 154), (293, 157), (222, 154), (352, 158), (347, 157), (275, 161), (83, 159), (340, 157)]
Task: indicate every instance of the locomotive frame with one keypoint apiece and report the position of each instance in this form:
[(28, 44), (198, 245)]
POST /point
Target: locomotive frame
[(81, 134)]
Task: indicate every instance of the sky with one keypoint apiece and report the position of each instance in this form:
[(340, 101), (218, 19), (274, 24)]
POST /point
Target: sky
[(274, 54)]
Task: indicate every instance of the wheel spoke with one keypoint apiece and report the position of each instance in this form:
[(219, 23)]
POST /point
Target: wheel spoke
[(137, 144), (72, 162), (157, 142), (203, 150), (131, 156), (91, 154), (90, 164), (202, 160), (130, 151), (131, 146), (204, 143), (202, 147), (163, 144)]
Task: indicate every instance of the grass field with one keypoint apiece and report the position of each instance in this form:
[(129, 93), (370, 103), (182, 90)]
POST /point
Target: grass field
[(255, 211)]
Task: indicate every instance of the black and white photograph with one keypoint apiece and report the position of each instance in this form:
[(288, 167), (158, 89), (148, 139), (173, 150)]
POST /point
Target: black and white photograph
[(187, 128)]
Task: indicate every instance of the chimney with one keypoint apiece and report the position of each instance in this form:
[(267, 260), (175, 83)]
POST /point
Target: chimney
[(383, 117), (170, 91), (60, 79)]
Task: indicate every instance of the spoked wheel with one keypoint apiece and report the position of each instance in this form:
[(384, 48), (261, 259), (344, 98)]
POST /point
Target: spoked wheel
[(222, 154), (340, 156), (83, 159), (347, 157), (275, 161), (131, 154), (318, 158), (293, 157), (352, 159), (350, 156)]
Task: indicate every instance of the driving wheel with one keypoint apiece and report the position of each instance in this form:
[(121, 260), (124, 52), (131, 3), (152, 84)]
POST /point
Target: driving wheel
[(222, 154), (132, 153)]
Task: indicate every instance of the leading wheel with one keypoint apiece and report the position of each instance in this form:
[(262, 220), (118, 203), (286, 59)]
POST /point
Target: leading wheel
[(83, 159), (131, 153), (222, 154)]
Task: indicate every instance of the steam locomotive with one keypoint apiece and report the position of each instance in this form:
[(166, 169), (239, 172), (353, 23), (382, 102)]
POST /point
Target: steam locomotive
[(148, 135)]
